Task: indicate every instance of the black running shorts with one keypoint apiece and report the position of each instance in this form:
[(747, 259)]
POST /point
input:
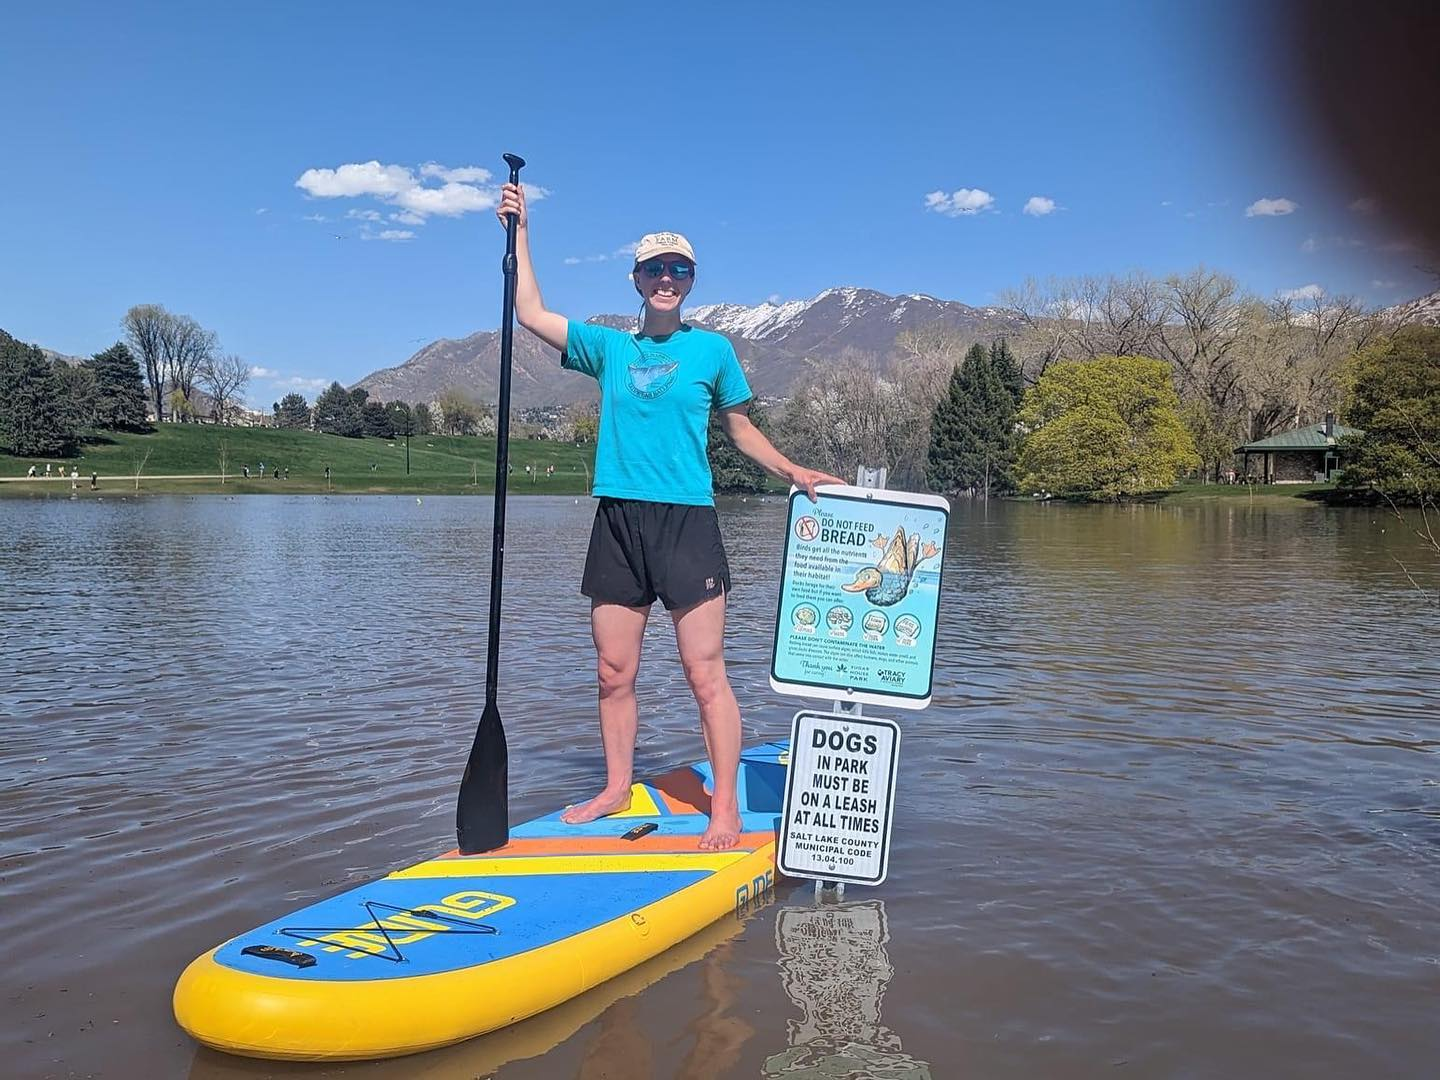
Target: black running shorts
[(643, 550)]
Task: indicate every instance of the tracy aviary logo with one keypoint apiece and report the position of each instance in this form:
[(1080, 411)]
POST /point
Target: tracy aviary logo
[(651, 375)]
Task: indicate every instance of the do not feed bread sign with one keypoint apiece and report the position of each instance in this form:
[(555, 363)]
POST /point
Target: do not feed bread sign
[(839, 797)]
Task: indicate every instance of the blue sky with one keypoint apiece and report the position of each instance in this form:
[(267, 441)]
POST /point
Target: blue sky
[(178, 154)]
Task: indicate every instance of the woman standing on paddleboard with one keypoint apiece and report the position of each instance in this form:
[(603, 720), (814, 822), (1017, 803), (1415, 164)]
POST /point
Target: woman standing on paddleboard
[(655, 534)]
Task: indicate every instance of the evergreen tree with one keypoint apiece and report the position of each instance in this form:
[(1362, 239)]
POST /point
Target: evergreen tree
[(972, 430), (400, 419), (336, 412), (375, 420), (292, 411), (119, 390), (424, 421), (33, 422), (75, 395), (733, 473), (1008, 369)]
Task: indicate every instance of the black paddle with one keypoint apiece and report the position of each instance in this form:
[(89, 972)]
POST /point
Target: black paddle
[(482, 816)]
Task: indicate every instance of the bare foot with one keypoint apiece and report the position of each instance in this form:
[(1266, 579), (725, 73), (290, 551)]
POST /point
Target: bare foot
[(723, 832), (607, 802)]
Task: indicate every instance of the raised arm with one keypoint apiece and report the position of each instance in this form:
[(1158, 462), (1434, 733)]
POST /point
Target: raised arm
[(751, 442), (530, 311)]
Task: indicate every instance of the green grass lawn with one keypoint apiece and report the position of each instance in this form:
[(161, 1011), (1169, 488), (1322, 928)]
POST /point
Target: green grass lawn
[(439, 464), (1194, 492)]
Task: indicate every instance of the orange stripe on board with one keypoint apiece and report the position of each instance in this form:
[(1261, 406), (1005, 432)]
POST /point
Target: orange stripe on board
[(607, 845), (683, 792)]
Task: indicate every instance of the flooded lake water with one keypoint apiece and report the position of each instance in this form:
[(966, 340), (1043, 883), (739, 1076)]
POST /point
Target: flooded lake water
[(1175, 810)]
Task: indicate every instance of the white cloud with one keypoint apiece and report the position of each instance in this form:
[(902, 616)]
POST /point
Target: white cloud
[(1166, 202), (297, 382), (963, 202), (1399, 247), (262, 210), (370, 178), (1038, 206), (1271, 208), (393, 235), (315, 217), (1304, 292), (433, 190), (624, 251), (1366, 204), (1379, 284), (1313, 244), (257, 372), (466, 174)]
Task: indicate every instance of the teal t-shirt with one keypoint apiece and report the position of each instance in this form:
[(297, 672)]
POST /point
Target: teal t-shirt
[(656, 394)]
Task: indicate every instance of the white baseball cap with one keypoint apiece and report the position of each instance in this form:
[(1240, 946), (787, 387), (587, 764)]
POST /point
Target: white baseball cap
[(663, 243)]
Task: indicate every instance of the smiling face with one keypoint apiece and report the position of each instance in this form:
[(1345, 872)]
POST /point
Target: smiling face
[(664, 293)]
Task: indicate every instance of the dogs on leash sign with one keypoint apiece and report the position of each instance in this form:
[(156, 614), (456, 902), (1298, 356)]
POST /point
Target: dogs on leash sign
[(839, 797)]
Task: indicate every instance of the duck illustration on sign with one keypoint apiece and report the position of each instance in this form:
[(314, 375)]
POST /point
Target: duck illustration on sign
[(888, 581)]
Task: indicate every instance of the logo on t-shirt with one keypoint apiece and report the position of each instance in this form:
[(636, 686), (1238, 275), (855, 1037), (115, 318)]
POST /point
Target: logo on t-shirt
[(651, 376)]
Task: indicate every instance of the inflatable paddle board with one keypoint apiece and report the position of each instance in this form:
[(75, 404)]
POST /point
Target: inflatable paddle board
[(460, 945)]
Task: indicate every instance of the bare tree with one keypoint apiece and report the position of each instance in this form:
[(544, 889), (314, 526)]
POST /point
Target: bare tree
[(845, 413), (224, 376), (186, 346), (147, 328), (1204, 322)]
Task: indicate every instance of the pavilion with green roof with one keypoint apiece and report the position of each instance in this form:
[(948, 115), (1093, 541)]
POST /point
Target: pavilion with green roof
[(1309, 454)]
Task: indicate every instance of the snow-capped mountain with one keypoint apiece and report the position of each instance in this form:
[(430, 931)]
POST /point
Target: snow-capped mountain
[(776, 342), (846, 317), (1423, 309)]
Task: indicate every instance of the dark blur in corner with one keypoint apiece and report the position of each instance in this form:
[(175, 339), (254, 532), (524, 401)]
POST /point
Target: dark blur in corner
[(1366, 77)]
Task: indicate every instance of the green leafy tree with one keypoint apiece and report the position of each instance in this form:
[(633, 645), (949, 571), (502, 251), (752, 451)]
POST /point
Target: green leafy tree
[(459, 414), (292, 411), (1106, 427), (424, 421), (731, 471), (33, 419), (119, 390), (1394, 397), (1215, 434), (375, 420), (972, 430), (336, 412)]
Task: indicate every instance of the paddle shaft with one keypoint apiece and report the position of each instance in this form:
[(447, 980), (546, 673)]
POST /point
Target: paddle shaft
[(482, 813), (502, 446)]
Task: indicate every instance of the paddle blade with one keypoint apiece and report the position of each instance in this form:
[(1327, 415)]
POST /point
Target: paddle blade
[(482, 817)]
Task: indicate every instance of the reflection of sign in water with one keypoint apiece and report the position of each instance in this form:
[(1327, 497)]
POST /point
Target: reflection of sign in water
[(839, 791), (871, 561), (835, 969)]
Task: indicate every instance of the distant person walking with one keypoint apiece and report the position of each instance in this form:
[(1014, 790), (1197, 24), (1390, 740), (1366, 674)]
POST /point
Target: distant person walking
[(31, 474), (47, 470), (94, 480), (246, 469)]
